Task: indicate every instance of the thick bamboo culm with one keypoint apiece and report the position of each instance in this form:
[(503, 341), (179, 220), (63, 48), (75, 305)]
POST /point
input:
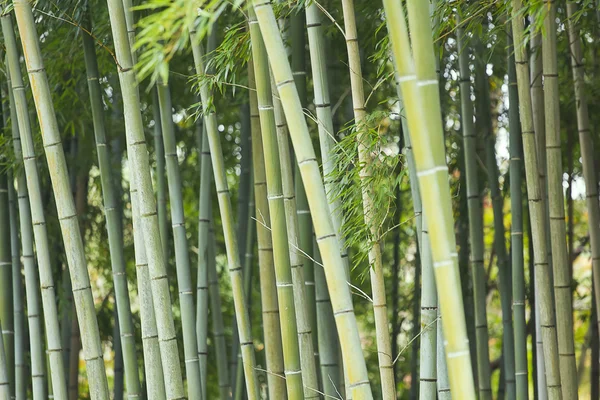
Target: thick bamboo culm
[(275, 196), (138, 156), (427, 139), (516, 228), (297, 255), (586, 144), (233, 256), (561, 265), (112, 213), (384, 344), (313, 184), (82, 293), (33, 226), (182, 258), (542, 278), (475, 220)]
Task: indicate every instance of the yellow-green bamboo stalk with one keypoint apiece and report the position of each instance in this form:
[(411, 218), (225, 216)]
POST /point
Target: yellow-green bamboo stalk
[(270, 307), (319, 206), (159, 172), (384, 344), (6, 284), (544, 295), (138, 155), (33, 224), (561, 265), (586, 144), (297, 257), (275, 196), (420, 91), (67, 215), (224, 198), (475, 220)]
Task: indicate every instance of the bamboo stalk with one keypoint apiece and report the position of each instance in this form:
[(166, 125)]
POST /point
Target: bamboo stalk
[(586, 145), (313, 184), (516, 229), (161, 183), (82, 293), (296, 252), (235, 269), (182, 260), (275, 196), (270, 307), (30, 189), (419, 87), (4, 383), (384, 346), (112, 213), (560, 263), (137, 151), (475, 220), (544, 297)]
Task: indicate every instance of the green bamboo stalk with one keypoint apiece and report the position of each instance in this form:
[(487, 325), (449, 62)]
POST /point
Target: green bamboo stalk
[(384, 346), (182, 260), (544, 295), (235, 269), (82, 293), (586, 144), (4, 367), (537, 106), (137, 151), (319, 206), (504, 275), (31, 281), (443, 383), (217, 318), (119, 379), (270, 307), (6, 285), (17, 286), (560, 263), (30, 198), (305, 230), (161, 183), (297, 251), (475, 220), (420, 91), (328, 342), (112, 212), (516, 228), (275, 196)]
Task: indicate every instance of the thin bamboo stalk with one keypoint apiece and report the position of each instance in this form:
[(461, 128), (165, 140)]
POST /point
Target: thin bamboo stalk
[(504, 275), (137, 151), (297, 252), (586, 144), (560, 263), (516, 228), (31, 281), (112, 212), (475, 220), (4, 383), (384, 346), (319, 206), (443, 383), (217, 318), (182, 260), (159, 172), (420, 90), (544, 297), (275, 196), (6, 285), (30, 193), (82, 293), (270, 307), (235, 269)]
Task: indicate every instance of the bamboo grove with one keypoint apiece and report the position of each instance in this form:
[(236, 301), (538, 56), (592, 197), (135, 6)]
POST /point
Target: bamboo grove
[(299, 199)]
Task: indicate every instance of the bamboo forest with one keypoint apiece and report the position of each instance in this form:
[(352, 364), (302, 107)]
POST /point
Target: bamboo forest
[(299, 199)]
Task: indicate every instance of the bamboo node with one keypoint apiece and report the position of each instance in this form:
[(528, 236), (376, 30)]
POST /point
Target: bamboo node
[(457, 354), (427, 82)]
